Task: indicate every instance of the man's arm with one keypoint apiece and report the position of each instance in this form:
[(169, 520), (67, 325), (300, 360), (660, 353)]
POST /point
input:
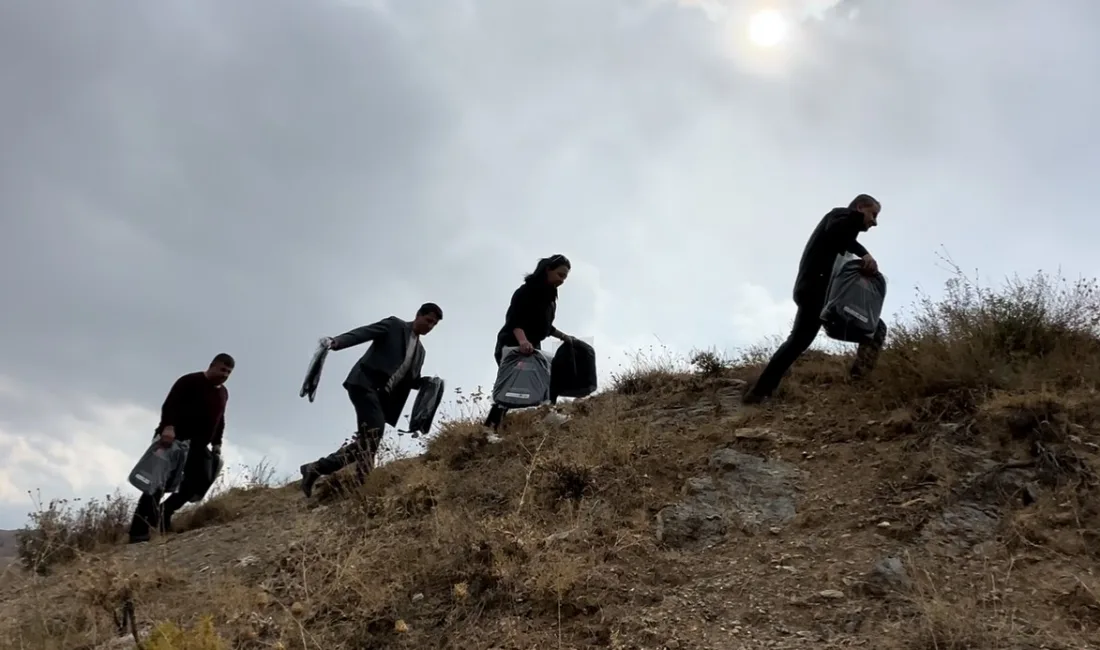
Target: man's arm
[(219, 431), (361, 334), (172, 409), (219, 428), (845, 227)]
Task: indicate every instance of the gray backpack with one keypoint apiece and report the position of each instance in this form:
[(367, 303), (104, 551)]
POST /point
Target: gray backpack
[(523, 379), (854, 301), (160, 469)]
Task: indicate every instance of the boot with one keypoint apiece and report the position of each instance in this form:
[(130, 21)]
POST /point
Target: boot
[(309, 477), (866, 358)]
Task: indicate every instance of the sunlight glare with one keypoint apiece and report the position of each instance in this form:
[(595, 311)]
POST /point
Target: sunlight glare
[(767, 28)]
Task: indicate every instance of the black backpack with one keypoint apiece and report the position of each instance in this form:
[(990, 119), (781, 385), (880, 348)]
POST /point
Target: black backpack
[(573, 370), (428, 398)]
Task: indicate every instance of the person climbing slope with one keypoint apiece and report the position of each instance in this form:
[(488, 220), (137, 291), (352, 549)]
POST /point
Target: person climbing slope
[(835, 235), (378, 386), (193, 411), (530, 317)]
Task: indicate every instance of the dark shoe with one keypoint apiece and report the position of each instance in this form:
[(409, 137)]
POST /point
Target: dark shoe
[(749, 396), (309, 477), (866, 359)]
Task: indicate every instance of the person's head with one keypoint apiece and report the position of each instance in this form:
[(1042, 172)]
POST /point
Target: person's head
[(552, 270), (869, 206), (427, 317), (220, 368)]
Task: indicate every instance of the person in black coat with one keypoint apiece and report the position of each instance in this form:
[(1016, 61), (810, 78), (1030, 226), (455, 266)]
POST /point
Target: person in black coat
[(835, 235), (530, 317)]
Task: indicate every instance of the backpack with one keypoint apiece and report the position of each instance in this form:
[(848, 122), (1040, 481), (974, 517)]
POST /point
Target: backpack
[(522, 380), (160, 468), (853, 304), (313, 373), (428, 398), (573, 370)]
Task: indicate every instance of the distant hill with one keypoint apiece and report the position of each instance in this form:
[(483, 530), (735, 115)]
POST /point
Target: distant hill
[(7, 544)]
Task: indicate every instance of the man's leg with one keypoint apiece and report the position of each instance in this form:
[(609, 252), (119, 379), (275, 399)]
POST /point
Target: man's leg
[(195, 476), (868, 352), (370, 425), (807, 323), (146, 516), (495, 417), (174, 502)]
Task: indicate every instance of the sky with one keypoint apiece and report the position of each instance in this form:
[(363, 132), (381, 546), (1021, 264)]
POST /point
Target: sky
[(182, 178)]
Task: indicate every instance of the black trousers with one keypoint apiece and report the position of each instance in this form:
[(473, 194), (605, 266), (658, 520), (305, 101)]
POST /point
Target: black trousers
[(496, 412), (370, 421), (807, 323), (151, 514)]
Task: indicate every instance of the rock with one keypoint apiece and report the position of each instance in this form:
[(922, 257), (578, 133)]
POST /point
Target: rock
[(124, 642), (960, 527), (831, 594), (747, 491), (553, 418), (755, 433), (885, 577), (417, 598)]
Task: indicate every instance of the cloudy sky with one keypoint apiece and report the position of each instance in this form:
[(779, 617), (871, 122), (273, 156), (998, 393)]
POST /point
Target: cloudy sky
[(183, 178)]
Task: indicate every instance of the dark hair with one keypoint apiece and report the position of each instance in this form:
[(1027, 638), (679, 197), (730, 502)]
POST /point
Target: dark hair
[(864, 200), (547, 264), (430, 308), (224, 359)]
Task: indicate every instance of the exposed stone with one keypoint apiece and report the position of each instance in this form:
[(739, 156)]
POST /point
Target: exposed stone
[(887, 576), (744, 491)]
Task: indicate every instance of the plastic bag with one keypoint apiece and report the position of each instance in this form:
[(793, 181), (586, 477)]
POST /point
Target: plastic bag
[(428, 398), (853, 305), (522, 380)]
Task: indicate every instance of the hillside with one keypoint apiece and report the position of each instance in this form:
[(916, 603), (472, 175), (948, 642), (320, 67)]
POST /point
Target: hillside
[(948, 502), (7, 544)]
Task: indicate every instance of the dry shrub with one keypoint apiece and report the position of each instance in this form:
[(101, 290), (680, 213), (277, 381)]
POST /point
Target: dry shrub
[(981, 609), (1025, 335), (169, 636), (63, 529), (650, 370)]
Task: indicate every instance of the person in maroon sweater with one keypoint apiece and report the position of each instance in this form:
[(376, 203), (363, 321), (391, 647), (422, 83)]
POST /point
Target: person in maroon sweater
[(194, 411)]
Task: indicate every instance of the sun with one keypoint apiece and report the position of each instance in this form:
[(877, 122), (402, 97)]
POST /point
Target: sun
[(767, 28)]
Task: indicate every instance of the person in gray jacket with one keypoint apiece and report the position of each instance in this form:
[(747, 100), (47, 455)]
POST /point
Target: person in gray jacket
[(378, 386)]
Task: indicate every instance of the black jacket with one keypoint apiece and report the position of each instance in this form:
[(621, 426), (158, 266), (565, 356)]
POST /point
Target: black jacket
[(835, 234), (389, 339), (532, 310)]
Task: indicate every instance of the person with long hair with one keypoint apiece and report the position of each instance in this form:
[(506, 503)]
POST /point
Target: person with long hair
[(530, 316)]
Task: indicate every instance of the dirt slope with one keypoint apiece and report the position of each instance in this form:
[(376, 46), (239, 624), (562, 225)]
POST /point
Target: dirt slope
[(948, 503), (663, 516)]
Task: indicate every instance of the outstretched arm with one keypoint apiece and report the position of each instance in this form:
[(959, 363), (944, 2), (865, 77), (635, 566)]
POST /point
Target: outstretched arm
[(360, 335)]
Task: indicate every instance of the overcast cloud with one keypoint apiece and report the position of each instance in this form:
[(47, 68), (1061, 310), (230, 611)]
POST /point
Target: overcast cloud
[(183, 178)]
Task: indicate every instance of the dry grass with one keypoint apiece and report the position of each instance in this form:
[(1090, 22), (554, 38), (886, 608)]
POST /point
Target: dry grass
[(62, 530), (986, 400)]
